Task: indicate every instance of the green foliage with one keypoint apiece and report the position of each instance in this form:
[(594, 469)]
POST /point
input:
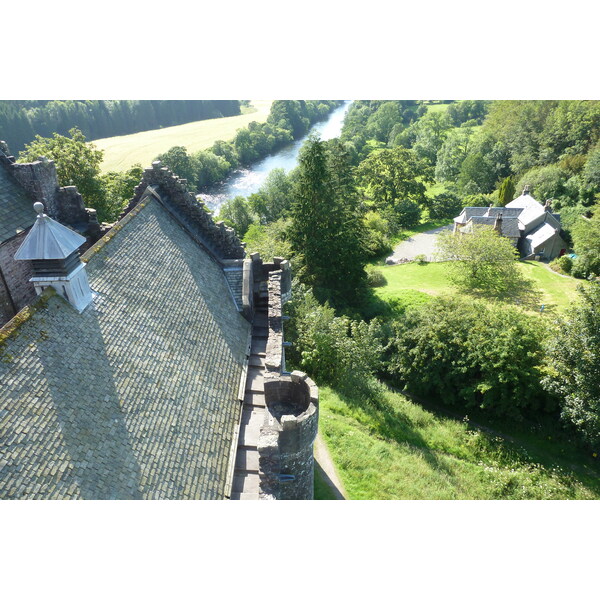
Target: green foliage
[(476, 175), (573, 355), (562, 264), (392, 177), (181, 163), (274, 198), (586, 244), (444, 206), (546, 182), (327, 231), (469, 353), (77, 163), (482, 261), (506, 192), (467, 110), (20, 120), (376, 231), (269, 240), (237, 214), (332, 349), (452, 154), (119, 189), (375, 278)]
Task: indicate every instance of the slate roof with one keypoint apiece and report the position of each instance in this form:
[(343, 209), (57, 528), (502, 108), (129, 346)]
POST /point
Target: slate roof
[(16, 207), (540, 235), (137, 397), (531, 208), (510, 226)]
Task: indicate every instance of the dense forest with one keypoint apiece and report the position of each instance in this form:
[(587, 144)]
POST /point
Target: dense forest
[(22, 120)]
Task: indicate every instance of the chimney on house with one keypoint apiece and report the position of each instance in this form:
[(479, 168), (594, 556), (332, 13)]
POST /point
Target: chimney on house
[(548, 205), (53, 250), (498, 223), (526, 190)]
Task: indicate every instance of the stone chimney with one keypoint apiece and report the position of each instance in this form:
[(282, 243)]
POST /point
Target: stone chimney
[(498, 223), (53, 250), (548, 205), (526, 190)]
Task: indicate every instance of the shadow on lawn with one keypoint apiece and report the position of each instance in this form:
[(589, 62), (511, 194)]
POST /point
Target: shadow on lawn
[(392, 425), (519, 291)]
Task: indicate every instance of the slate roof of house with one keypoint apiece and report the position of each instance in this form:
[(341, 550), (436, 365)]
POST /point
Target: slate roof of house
[(16, 207), (136, 397), (509, 226), (531, 208), (471, 211), (540, 235)]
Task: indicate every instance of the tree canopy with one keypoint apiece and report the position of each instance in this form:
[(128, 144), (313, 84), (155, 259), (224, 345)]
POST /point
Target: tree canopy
[(326, 229)]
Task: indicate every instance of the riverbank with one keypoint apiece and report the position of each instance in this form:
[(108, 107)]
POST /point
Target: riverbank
[(247, 181)]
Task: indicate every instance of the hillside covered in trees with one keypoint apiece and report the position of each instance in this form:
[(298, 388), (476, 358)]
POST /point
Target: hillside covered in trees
[(22, 120)]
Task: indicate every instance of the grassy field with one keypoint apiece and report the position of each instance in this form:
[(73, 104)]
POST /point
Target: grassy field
[(121, 152), (554, 291), (399, 450)]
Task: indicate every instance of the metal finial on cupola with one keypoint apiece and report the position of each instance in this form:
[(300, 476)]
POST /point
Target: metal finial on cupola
[(53, 250)]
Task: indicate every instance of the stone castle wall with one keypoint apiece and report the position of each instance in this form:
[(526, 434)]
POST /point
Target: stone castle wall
[(64, 204), (16, 291), (172, 191), (286, 460)]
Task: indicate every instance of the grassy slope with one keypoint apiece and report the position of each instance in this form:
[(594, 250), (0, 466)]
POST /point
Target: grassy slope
[(432, 278), (399, 450), (122, 152)]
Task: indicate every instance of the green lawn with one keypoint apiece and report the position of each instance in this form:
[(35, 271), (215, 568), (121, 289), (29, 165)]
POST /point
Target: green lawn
[(399, 450), (554, 291), (124, 151)]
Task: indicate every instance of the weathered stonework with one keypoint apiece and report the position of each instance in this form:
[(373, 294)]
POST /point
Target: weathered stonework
[(16, 291), (64, 204), (190, 212), (285, 448), (286, 460)]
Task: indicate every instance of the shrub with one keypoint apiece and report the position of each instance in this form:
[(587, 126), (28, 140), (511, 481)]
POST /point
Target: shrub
[(334, 350), (375, 278), (421, 259), (562, 264), (376, 240), (573, 365), (471, 354)]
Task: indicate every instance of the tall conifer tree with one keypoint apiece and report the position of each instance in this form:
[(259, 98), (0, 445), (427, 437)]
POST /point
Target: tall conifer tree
[(326, 227)]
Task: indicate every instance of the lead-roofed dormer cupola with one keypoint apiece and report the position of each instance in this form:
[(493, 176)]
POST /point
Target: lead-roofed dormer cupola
[(53, 250)]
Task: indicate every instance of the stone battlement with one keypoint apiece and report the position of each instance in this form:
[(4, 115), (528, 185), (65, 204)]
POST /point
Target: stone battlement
[(220, 240), (286, 461), (64, 204)]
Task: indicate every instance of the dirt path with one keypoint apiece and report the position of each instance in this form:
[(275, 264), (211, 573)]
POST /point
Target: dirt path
[(327, 470)]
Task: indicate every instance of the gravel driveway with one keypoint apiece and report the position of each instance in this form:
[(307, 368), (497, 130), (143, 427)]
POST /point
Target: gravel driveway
[(420, 243)]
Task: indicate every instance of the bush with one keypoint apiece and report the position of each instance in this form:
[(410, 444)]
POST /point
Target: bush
[(334, 350), (562, 264), (376, 241), (375, 278), (421, 259), (471, 354), (573, 365)]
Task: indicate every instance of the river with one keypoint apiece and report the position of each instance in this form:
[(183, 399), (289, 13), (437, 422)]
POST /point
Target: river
[(244, 182)]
